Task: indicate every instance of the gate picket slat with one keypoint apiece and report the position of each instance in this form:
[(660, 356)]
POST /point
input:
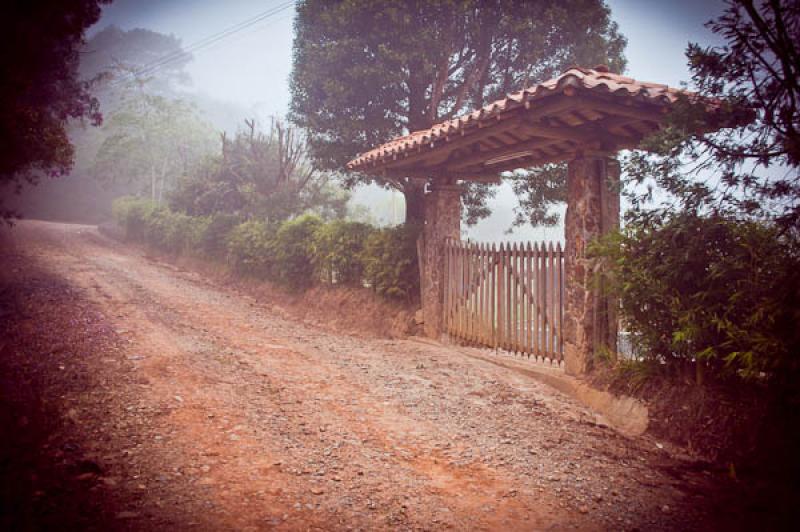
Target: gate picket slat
[(452, 286), (468, 306), (529, 293), (521, 300), (474, 294), (526, 261), (487, 331), (457, 290), (549, 300), (507, 297), (543, 298), (518, 303), (560, 303), (479, 298), (454, 297), (476, 316), (502, 303), (493, 295), (534, 302), (447, 291), (464, 293), (557, 300), (512, 293)]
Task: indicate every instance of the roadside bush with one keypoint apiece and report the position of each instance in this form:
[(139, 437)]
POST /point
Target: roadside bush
[(294, 251), (251, 248), (131, 214), (338, 250), (719, 291), (212, 239), (390, 262)]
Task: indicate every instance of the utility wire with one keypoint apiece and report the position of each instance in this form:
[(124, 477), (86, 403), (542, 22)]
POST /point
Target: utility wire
[(172, 57), (213, 38), (203, 43)]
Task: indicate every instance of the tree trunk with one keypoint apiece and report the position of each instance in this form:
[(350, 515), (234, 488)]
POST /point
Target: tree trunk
[(414, 193), (152, 183)]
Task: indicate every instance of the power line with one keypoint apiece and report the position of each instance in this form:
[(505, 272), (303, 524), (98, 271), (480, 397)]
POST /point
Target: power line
[(172, 57), (203, 43)]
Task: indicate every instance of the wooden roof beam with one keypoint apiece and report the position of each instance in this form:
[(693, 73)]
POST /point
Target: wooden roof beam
[(590, 134), (484, 156), (644, 112)]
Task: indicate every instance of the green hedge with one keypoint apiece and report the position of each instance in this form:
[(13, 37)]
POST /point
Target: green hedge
[(390, 260), (720, 291), (296, 253), (250, 248), (339, 252)]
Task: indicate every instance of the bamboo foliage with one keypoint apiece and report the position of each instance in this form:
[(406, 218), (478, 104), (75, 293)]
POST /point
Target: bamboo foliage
[(509, 297)]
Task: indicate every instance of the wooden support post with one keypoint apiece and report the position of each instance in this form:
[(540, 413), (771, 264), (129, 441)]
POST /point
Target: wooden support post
[(590, 320), (442, 222)]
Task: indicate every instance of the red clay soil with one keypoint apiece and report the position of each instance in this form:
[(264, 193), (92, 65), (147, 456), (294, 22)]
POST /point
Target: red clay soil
[(137, 395)]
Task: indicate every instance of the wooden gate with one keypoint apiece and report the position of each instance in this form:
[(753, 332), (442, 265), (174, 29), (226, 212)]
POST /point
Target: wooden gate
[(509, 298)]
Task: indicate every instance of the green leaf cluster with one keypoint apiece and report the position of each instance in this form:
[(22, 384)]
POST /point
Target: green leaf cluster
[(338, 251), (391, 265), (717, 290), (150, 142), (259, 174), (146, 221), (251, 248), (733, 147)]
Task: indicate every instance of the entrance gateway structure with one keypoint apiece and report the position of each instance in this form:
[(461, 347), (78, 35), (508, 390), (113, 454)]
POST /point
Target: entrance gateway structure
[(583, 117)]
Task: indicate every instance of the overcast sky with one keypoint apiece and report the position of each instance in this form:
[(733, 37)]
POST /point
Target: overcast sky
[(251, 67)]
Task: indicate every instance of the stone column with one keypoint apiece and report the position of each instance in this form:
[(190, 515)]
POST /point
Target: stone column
[(442, 221), (590, 318)]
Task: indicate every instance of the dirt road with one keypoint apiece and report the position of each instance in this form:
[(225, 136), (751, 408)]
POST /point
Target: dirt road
[(185, 404)]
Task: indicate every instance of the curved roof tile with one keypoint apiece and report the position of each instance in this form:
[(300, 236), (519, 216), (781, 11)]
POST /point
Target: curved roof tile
[(598, 79)]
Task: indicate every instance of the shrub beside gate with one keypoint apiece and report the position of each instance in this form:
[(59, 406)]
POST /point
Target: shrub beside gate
[(296, 253)]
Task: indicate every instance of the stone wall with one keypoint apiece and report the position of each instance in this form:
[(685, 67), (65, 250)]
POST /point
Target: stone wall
[(590, 320), (442, 221)]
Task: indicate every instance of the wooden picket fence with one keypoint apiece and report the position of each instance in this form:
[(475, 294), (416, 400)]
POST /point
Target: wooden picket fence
[(509, 298)]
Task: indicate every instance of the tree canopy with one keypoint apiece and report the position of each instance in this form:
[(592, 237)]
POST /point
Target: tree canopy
[(40, 90), (365, 72), (145, 54), (750, 167), (152, 140), (261, 175)]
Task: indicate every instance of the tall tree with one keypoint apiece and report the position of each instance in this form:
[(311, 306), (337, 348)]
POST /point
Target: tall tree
[(365, 72), (39, 88), (152, 140), (140, 54), (751, 167), (263, 175)]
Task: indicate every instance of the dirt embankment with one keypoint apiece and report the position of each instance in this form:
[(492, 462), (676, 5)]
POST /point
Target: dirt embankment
[(146, 396)]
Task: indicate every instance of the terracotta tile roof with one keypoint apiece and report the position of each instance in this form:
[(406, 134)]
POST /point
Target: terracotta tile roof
[(597, 80)]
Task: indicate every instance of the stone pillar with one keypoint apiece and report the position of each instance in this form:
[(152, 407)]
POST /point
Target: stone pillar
[(590, 318), (442, 221)]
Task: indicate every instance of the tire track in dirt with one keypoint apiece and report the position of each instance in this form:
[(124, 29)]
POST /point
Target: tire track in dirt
[(154, 310), (285, 425)]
